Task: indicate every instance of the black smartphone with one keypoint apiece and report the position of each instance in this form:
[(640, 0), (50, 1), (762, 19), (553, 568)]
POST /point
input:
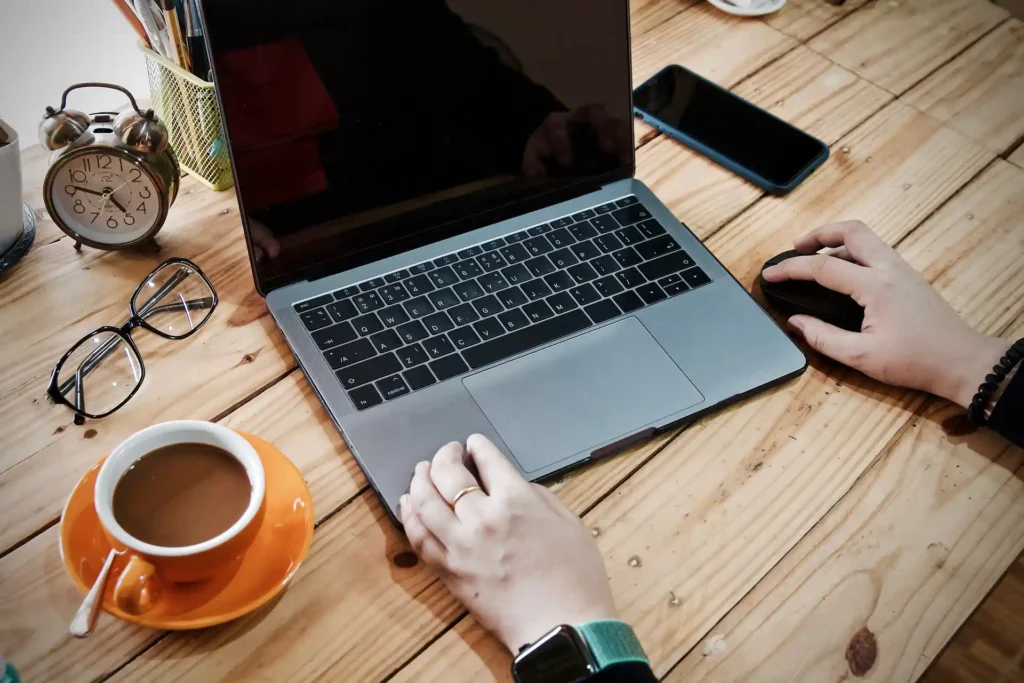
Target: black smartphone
[(727, 129)]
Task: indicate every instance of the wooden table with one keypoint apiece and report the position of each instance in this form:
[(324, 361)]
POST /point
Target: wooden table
[(827, 529)]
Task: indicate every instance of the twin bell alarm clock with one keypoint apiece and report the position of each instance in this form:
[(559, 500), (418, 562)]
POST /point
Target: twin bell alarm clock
[(112, 176)]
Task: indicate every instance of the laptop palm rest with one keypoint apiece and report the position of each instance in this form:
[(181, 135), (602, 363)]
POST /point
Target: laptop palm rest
[(575, 396)]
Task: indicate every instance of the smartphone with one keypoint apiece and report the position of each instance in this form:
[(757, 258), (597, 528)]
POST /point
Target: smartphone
[(727, 129)]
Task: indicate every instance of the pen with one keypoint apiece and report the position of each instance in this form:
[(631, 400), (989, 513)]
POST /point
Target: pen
[(196, 46)]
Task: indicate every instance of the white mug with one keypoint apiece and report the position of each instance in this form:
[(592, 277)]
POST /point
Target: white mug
[(11, 218)]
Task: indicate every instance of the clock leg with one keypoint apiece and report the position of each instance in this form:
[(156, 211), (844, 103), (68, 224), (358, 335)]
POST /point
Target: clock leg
[(153, 244), (78, 246)]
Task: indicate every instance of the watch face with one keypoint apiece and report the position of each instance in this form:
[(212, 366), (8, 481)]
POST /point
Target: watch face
[(558, 657)]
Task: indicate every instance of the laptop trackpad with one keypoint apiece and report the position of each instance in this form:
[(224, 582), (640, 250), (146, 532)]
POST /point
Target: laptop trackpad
[(584, 392)]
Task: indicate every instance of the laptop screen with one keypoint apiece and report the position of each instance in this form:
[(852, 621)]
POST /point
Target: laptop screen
[(359, 129)]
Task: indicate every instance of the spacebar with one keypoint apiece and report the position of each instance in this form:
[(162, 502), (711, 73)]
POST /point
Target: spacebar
[(525, 339)]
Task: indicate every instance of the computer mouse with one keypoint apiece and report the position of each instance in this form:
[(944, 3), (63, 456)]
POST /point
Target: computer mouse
[(793, 297)]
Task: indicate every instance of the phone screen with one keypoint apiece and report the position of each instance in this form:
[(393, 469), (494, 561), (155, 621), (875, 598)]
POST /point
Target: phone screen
[(744, 134)]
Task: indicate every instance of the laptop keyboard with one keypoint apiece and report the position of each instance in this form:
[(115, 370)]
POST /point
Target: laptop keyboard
[(395, 334)]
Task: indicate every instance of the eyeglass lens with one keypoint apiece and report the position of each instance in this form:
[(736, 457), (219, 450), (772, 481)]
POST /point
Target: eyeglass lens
[(100, 374), (174, 300)]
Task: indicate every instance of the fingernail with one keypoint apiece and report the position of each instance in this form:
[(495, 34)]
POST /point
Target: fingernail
[(796, 324), (403, 501)]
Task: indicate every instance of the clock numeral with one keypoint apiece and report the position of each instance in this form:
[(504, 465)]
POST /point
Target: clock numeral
[(70, 190), (145, 190), (110, 220), (103, 161), (76, 176), (79, 207), (95, 215), (141, 207), (86, 165), (121, 162), (129, 219), (138, 175)]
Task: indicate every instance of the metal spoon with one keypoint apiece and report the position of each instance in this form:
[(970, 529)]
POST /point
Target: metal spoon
[(85, 617)]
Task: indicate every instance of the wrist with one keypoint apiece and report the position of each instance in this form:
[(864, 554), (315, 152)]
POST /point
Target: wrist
[(529, 632), (969, 369)]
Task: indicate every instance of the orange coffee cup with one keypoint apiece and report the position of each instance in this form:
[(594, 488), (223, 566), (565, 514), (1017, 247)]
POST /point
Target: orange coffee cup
[(149, 566)]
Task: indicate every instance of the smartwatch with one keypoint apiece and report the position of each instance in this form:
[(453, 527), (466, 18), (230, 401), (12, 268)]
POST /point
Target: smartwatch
[(570, 653)]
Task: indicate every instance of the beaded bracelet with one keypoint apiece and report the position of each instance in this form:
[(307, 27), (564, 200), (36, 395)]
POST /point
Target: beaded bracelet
[(976, 411)]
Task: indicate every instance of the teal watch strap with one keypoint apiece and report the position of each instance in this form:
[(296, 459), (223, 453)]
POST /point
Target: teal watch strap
[(611, 642)]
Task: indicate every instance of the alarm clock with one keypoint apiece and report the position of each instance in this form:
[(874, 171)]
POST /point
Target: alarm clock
[(112, 176)]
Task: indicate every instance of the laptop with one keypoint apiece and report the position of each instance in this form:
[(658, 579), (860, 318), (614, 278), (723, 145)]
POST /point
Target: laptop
[(440, 209)]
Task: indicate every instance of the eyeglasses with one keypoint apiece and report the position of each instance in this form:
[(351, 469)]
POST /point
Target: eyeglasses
[(104, 369)]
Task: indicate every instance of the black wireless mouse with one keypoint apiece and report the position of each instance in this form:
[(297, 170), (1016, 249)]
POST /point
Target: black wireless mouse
[(793, 297)]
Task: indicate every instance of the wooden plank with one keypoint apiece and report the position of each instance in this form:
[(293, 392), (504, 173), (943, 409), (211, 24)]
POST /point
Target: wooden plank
[(925, 534), (34, 162), (696, 528), (909, 39), (804, 19), (645, 15), (981, 92), (1017, 158)]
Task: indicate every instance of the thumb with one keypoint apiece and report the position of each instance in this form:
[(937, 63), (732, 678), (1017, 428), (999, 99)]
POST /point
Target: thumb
[(841, 345)]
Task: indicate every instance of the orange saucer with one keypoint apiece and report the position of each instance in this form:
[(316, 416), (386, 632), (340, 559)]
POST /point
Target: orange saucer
[(261, 573)]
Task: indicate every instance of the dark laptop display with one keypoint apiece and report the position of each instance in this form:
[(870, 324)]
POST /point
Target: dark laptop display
[(363, 128)]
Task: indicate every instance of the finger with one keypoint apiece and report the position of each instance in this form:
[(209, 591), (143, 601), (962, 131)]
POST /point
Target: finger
[(840, 252), (863, 244), (835, 274), (430, 506), (450, 476), (426, 545), (558, 134), (841, 345), (553, 502), (497, 474), (537, 150)]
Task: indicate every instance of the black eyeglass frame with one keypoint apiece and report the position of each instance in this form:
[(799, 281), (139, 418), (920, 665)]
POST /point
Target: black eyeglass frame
[(124, 333)]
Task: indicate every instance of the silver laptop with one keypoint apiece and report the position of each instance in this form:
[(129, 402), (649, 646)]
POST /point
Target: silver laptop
[(439, 206)]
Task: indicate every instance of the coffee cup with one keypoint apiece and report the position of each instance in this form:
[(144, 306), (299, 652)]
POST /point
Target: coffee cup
[(151, 565)]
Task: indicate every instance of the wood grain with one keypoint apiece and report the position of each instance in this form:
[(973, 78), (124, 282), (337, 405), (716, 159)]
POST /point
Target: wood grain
[(909, 39), (645, 15), (804, 19), (981, 92), (1017, 158)]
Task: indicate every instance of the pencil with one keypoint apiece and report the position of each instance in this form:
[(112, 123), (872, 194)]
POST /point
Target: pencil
[(177, 38), (132, 20)]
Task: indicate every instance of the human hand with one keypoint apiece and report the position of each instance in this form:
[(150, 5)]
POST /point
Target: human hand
[(910, 337), (551, 144), (511, 552), (264, 244)]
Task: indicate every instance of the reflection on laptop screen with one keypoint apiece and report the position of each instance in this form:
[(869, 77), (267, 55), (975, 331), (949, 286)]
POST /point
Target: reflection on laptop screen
[(355, 124)]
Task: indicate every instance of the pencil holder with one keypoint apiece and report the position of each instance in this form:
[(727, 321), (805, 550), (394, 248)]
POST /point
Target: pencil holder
[(188, 107)]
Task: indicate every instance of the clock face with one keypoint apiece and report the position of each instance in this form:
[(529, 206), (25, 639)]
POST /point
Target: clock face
[(104, 197)]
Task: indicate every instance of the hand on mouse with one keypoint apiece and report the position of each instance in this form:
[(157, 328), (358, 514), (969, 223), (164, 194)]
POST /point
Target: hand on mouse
[(511, 552), (910, 337)]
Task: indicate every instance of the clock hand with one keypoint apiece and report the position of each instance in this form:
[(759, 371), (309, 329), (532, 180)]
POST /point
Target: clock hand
[(85, 189), (113, 200)]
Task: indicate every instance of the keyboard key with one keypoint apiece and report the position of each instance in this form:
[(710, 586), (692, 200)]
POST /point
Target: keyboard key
[(419, 377), (367, 324), (316, 319), (538, 311), (604, 224), (350, 353), (512, 298), (394, 315), (627, 201), (629, 235), (675, 288), (468, 290), (517, 274), (539, 229), (608, 286), (561, 302), (493, 244), (651, 228), (443, 298), (487, 305), (585, 251), (695, 277), (368, 301), (583, 215), (446, 260), (419, 307), (516, 237), (524, 339), (365, 397), (346, 293), (419, 284), (411, 356), (559, 281), (514, 253), (607, 243), (560, 238), (492, 282), (605, 208), (583, 231), (651, 293), (443, 277), (467, 270), (463, 337), (561, 222), (341, 333), (563, 258), (666, 265), (628, 301), (310, 304), (536, 289), (670, 280), (627, 257), (342, 310), (585, 294), (582, 273), (463, 314), (470, 252), (538, 246), (448, 367), (489, 328), (605, 265), (602, 310), (491, 261), (540, 266), (368, 371), (393, 294), (371, 284), (385, 341), (513, 320), (396, 276), (421, 268), (630, 278), (392, 387), (631, 214), (438, 346), (412, 332), (438, 323), (657, 247)]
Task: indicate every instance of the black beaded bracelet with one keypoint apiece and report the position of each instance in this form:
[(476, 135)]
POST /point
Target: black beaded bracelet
[(976, 411)]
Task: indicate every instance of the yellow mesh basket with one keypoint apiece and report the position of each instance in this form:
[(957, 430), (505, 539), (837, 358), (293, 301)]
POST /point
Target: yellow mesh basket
[(188, 107)]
